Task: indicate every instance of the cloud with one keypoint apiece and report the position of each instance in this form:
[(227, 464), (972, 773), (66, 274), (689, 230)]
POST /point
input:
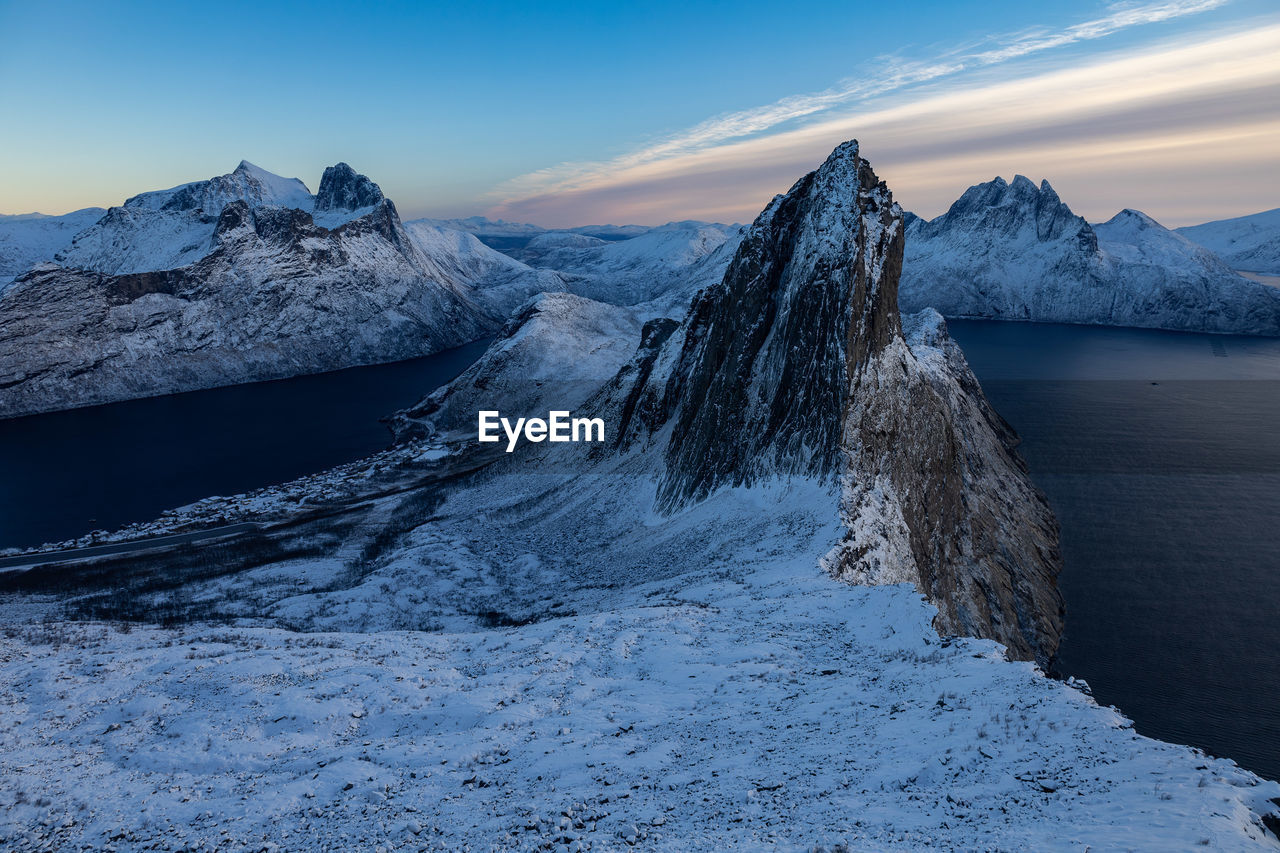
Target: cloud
[(893, 75), (728, 167)]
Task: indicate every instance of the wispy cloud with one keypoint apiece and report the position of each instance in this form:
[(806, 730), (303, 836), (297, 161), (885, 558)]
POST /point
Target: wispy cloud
[(891, 75)]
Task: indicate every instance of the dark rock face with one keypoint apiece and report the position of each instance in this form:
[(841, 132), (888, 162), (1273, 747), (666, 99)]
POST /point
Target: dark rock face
[(764, 369), (796, 364), (932, 479), (342, 188)]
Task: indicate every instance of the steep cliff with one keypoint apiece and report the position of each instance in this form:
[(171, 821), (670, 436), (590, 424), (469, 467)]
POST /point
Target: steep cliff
[(795, 367)]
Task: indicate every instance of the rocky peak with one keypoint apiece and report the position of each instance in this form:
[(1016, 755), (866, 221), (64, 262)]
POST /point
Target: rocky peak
[(795, 364), (1012, 211), (246, 182), (764, 367), (342, 188)]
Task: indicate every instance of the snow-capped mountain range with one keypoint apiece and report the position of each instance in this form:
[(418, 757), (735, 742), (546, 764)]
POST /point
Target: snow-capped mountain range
[(248, 276), (79, 331), (1249, 243), (1015, 251)]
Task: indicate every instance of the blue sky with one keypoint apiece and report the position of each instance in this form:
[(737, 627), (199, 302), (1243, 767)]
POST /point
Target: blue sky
[(563, 113)]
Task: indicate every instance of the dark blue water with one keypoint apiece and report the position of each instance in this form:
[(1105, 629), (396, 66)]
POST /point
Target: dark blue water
[(1160, 453), (68, 473)]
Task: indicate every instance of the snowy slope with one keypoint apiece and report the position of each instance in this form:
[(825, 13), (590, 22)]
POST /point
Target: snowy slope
[(497, 281), (26, 239), (536, 667), (554, 353), (1015, 251), (1246, 243)]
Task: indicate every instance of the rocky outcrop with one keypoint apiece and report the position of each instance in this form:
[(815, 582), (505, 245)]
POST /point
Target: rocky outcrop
[(342, 188), (1015, 251), (795, 365)]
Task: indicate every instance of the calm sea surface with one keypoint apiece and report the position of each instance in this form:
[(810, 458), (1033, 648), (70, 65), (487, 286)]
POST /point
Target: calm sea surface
[(67, 473), (1160, 453)]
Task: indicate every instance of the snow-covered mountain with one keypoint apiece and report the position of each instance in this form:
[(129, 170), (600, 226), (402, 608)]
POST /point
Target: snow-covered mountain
[(514, 236), (1015, 251), (794, 365), (27, 239), (272, 294), (667, 264), (1249, 243), (172, 228)]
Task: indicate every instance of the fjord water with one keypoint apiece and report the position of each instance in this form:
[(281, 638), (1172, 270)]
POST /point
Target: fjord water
[(1160, 454), (67, 473)]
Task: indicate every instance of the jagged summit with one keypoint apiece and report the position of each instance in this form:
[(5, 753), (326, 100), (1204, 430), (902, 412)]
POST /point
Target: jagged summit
[(1012, 209), (768, 354), (794, 367), (343, 188)]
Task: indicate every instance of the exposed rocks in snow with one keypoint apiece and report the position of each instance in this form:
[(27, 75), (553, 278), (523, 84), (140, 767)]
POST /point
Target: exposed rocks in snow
[(342, 188), (796, 364), (1246, 242), (1015, 251)]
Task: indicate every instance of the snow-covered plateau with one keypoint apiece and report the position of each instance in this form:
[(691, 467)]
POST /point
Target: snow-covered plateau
[(1015, 251), (796, 600)]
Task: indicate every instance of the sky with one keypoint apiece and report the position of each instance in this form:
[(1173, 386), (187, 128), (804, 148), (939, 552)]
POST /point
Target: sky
[(571, 113)]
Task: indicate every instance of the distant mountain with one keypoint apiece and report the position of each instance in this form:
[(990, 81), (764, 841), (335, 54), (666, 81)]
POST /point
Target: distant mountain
[(234, 280), (1015, 251), (28, 238), (510, 236), (172, 228), (664, 265), (1249, 243)]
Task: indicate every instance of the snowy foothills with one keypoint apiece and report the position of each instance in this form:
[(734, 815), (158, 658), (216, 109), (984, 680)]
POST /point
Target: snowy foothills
[(718, 545)]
